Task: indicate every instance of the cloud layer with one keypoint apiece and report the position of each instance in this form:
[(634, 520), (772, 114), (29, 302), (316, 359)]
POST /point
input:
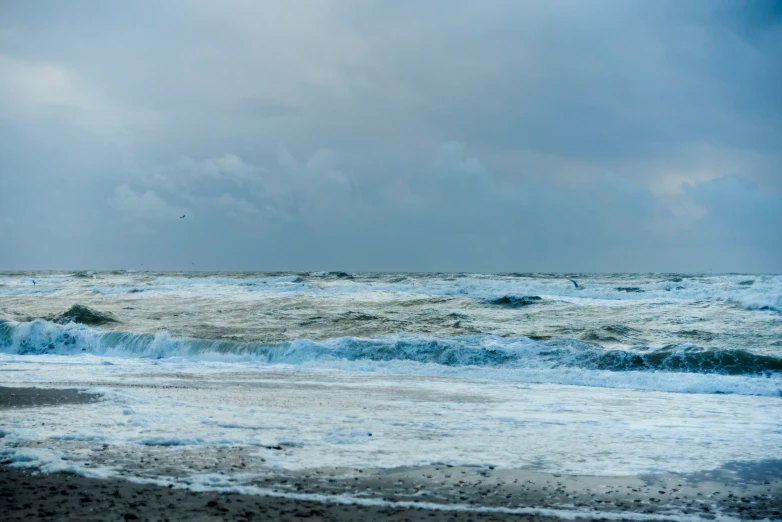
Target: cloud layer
[(501, 136)]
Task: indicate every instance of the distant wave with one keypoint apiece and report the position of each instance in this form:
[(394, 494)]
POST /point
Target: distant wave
[(224, 280), (762, 302), (516, 356), (760, 293), (85, 315), (512, 301)]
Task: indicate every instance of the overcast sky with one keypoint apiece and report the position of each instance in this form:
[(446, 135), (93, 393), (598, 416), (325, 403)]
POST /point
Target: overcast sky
[(438, 135)]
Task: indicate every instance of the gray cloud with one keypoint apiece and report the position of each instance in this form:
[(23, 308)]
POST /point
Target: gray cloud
[(565, 135), (143, 207)]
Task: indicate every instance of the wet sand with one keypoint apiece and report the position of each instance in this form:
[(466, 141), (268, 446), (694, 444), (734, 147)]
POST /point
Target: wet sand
[(35, 397), (27, 495), (60, 496)]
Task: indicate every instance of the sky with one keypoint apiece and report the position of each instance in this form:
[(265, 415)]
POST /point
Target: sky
[(360, 135)]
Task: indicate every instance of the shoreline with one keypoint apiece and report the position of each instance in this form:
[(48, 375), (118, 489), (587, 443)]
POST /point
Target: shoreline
[(438, 492), (28, 494)]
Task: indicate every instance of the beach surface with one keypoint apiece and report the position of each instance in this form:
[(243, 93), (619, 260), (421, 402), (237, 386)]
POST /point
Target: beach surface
[(62, 496), (438, 492)]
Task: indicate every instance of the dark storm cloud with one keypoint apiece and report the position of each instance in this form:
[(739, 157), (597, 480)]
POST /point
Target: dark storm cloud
[(409, 136)]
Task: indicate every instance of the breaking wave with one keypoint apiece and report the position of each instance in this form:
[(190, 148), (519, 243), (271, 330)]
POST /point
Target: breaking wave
[(561, 361)]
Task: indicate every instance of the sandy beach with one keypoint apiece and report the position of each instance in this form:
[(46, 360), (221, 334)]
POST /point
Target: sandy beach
[(68, 497)]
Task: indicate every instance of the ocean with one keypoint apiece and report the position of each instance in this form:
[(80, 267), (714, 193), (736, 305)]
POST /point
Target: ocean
[(608, 375)]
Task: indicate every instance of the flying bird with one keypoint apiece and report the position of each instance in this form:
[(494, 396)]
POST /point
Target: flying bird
[(182, 216)]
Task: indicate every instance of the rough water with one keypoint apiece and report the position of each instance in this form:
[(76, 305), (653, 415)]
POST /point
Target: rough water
[(612, 375), (522, 327)]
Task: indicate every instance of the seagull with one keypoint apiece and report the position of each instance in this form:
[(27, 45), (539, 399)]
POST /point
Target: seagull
[(574, 283), (182, 216)]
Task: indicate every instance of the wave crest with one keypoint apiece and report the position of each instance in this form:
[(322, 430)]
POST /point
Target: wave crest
[(679, 368), (40, 337)]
